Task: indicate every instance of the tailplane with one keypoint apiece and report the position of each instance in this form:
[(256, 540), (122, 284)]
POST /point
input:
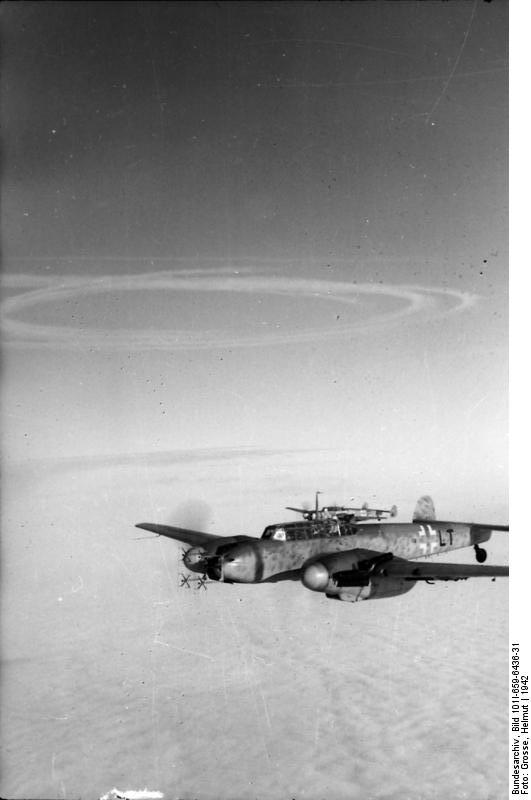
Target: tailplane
[(424, 510)]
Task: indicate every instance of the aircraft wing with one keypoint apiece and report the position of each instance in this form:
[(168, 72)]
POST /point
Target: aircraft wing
[(348, 566), (194, 538), (432, 571)]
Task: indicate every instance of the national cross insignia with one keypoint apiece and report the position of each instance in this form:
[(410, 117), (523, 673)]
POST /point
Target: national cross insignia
[(429, 540)]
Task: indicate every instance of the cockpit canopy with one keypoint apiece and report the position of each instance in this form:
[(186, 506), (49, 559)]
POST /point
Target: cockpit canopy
[(293, 531), (276, 532)]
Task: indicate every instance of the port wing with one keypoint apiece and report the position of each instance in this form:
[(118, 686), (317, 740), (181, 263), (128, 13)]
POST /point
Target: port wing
[(428, 571)]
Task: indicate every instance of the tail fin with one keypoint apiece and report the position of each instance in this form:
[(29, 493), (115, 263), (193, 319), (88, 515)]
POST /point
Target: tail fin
[(424, 510)]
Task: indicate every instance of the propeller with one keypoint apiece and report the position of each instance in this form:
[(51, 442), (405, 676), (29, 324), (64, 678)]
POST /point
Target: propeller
[(195, 514)]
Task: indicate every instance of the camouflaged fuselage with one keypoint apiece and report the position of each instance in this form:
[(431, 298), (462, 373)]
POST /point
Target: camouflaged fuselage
[(262, 560)]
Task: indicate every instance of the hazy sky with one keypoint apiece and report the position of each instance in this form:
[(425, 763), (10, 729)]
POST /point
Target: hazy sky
[(250, 251), (238, 228)]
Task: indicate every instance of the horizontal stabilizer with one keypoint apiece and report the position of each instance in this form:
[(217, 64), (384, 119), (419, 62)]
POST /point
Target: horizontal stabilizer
[(490, 527)]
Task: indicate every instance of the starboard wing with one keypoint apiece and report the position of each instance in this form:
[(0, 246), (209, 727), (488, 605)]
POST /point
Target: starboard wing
[(194, 538)]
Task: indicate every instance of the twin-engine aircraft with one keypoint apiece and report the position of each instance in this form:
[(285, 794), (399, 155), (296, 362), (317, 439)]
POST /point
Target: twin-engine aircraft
[(345, 553)]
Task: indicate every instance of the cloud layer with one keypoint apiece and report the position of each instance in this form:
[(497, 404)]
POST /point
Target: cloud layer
[(158, 459), (398, 303)]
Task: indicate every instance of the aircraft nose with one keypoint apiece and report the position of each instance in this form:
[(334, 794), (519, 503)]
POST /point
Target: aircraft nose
[(239, 565)]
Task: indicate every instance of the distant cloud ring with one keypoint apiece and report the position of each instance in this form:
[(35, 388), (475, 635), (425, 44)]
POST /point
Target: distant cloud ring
[(414, 301)]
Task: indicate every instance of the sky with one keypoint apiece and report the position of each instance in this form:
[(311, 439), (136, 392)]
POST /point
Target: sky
[(250, 251), (260, 225)]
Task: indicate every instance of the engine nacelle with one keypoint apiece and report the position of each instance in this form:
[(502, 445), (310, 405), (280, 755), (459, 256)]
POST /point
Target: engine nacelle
[(353, 577), (375, 589), (194, 559)]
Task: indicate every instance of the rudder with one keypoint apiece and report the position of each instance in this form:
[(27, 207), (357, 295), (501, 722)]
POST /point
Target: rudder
[(424, 510)]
